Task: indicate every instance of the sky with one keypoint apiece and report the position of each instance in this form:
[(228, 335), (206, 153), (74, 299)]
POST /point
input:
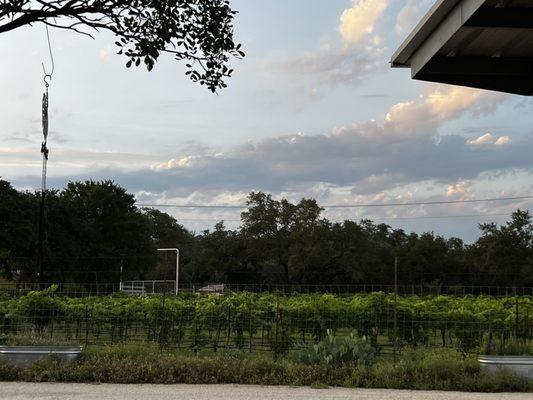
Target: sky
[(314, 110)]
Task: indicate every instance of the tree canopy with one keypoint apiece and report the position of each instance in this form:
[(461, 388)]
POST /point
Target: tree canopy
[(95, 228), (199, 32)]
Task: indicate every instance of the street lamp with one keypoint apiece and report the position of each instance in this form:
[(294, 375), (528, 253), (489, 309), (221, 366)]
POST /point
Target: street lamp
[(177, 265)]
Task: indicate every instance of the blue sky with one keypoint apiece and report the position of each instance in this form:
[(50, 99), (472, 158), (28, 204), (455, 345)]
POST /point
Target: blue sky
[(314, 110)]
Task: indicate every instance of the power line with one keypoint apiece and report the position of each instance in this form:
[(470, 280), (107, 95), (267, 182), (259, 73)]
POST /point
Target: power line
[(442, 216), (429, 203), (371, 218), (417, 203)]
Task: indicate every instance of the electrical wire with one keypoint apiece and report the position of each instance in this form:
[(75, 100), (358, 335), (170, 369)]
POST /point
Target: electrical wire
[(417, 203), (371, 218)]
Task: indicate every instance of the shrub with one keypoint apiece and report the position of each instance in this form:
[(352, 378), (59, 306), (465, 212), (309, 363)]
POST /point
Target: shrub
[(437, 370), (334, 352), (428, 370)]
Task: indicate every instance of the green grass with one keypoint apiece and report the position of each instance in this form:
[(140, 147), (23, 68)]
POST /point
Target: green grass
[(420, 369), (511, 347)]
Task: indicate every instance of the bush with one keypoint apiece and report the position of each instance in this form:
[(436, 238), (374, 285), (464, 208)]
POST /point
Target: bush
[(39, 307), (428, 370), (437, 370), (335, 352)]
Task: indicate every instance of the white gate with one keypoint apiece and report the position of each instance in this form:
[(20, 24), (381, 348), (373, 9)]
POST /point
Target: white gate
[(145, 288)]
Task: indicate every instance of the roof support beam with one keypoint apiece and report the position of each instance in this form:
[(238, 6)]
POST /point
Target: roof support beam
[(506, 74), (508, 17), (457, 17), (487, 66)]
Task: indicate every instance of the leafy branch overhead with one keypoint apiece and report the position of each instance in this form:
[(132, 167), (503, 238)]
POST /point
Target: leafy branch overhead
[(199, 32)]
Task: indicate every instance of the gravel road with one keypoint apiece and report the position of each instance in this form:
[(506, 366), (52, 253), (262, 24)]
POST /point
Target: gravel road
[(60, 391)]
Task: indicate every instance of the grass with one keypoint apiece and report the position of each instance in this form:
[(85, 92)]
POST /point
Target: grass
[(438, 370), (512, 347), (417, 369)]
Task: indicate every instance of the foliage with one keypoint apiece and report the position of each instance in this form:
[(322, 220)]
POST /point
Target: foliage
[(94, 230), (511, 347), (435, 370), (438, 370), (337, 326), (197, 31), (336, 351), (509, 246), (18, 218), (39, 307)]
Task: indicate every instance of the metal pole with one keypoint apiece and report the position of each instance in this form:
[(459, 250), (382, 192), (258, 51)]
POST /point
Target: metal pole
[(177, 266), (120, 285), (395, 309), (40, 247), (177, 269)]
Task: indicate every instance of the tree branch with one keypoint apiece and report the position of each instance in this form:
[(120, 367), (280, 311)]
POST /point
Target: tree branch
[(200, 31)]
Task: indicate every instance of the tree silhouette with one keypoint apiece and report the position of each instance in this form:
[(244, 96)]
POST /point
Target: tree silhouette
[(199, 32)]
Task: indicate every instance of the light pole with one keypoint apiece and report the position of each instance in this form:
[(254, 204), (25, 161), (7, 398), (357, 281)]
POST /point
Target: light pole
[(177, 265)]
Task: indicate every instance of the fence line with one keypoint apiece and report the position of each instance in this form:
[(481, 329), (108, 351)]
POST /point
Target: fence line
[(160, 287), (160, 321)]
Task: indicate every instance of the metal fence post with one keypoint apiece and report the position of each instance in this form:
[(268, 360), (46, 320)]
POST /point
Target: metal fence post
[(395, 309), (86, 325)]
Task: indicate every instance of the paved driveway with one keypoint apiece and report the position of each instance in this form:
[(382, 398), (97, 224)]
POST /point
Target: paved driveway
[(60, 391)]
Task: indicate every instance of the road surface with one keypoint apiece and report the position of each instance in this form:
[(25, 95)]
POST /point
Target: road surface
[(60, 391)]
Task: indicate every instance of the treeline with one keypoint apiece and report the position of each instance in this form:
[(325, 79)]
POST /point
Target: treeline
[(96, 234)]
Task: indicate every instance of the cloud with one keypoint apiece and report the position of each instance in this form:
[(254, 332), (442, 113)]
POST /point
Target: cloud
[(483, 139), (332, 66), (19, 161), (175, 163), (369, 158), (357, 22), (407, 18), (347, 63), (461, 190), (300, 163), (488, 139), (502, 141), (422, 117)]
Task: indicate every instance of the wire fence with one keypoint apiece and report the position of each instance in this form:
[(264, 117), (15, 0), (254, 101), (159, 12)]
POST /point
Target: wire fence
[(154, 287), (247, 324)]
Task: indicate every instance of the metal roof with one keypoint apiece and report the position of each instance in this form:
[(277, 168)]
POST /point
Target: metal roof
[(485, 44)]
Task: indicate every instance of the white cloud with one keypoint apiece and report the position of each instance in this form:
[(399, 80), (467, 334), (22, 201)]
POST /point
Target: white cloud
[(407, 18), (439, 104), (367, 158), (461, 190), (375, 156), (360, 54), (447, 101), (358, 21), (487, 138), (176, 163), (502, 141)]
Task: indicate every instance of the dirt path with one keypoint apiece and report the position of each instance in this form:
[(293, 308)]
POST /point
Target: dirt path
[(60, 391)]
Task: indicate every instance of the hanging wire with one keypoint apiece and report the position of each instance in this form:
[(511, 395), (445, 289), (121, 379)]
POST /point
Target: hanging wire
[(44, 151), (48, 76)]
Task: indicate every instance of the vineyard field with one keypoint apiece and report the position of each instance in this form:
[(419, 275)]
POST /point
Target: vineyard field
[(264, 322)]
